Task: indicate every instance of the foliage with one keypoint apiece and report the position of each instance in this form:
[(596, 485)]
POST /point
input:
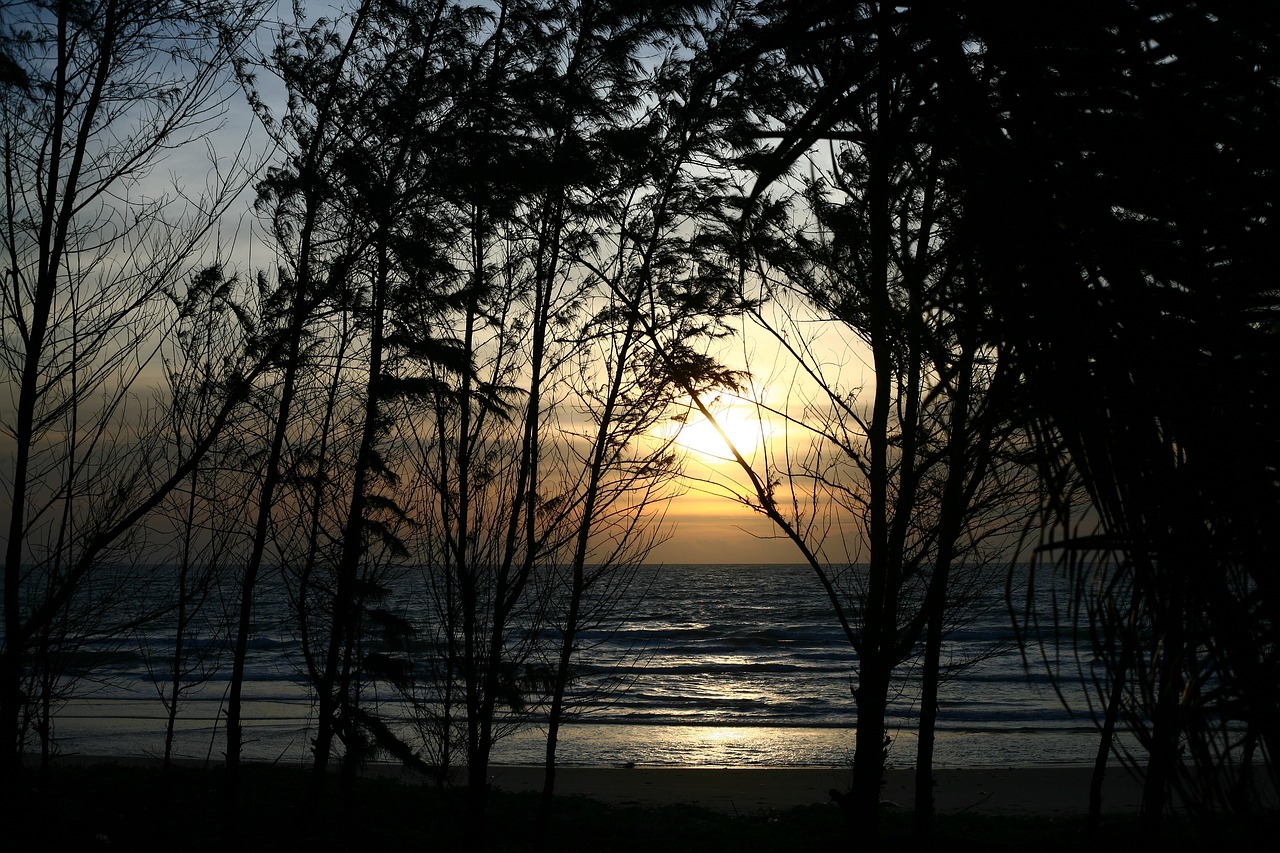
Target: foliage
[(1095, 168), (95, 249)]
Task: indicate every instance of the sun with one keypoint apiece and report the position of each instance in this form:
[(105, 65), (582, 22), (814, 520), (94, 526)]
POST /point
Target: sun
[(739, 422)]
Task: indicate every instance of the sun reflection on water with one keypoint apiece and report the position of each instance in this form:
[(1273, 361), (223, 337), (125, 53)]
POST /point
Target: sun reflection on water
[(727, 746)]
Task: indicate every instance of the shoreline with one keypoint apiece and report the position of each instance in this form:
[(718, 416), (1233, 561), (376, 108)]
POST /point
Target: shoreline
[(1041, 791), (1045, 791)]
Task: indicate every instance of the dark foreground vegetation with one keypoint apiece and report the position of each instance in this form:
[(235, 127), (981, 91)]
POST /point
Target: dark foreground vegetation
[(141, 808)]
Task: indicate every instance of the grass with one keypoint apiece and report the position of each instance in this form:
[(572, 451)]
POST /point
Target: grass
[(138, 808)]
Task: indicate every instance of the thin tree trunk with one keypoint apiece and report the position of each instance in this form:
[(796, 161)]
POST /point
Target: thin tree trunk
[(578, 587), (339, 666), (249, 580), (1111, 718), (180, 630), (298, 313), (477, 753), (931, 676), (1105, 739), (871, 695), (969, 456)]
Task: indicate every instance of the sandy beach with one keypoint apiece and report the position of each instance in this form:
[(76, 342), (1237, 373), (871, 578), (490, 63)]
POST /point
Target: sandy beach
[(1018, 790), (1046, 791)]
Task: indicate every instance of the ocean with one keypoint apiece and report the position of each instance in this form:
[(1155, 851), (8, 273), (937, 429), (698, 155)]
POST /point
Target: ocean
[(706, 666)]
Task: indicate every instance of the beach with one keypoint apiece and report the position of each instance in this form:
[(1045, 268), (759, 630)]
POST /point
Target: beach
[(1045, 791), (1042, 791)]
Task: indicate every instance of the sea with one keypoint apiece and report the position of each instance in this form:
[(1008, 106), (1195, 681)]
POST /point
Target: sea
[(701, 666)]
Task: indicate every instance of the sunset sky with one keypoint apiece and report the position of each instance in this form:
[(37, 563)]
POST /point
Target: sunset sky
[(705, 523), (708, 523)]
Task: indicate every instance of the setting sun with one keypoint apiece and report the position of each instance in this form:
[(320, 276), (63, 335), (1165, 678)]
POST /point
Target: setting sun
[(741, 424)]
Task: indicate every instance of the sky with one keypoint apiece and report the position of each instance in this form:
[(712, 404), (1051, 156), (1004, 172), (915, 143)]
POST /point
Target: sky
[(709, 522), (706, 523)]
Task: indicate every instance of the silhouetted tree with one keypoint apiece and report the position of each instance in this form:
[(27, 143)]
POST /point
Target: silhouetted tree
[(901, 503), (483, 501), (554, 148), (90, 250), (389, 278), (300, 197), (207, 347), (613, 474), (1117, 292), (1117, 205)]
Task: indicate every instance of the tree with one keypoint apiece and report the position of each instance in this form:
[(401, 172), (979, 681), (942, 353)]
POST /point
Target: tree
[(1068, 131), (921, 483), (1170, 283), (91, 249), (313, 230), (546, 166), (390, 277), (207, 345), (608, 485), (483, 501), (467, 359)]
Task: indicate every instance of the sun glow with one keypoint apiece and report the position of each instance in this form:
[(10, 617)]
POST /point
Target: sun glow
[(740, 425)]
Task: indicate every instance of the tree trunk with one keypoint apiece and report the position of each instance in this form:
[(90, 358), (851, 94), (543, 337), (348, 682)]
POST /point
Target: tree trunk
[(870, 745), (339, 665), (931, 674), (1104, 750), (1107, 736), (557, 703)]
